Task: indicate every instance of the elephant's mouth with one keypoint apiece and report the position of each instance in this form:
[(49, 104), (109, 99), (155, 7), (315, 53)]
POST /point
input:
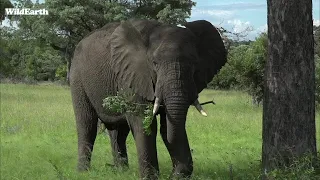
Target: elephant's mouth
[(158, 106)]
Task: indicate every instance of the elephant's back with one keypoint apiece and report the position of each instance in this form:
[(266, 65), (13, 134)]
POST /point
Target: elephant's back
[(93, 52), (93, 39)]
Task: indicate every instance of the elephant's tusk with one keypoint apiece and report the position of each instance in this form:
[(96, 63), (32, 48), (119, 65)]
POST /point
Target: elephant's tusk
[(203, 113), (156, 106), (199, 108)]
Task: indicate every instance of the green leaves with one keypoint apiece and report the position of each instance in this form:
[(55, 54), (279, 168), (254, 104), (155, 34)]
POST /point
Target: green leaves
[(123, 103), (148, 118), (245, 68), (68, 22), (24, 57), (172, 16), (117, 104), (167, 11)]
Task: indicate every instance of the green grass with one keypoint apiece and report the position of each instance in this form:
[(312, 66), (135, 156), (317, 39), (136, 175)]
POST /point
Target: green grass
[(38, 137)]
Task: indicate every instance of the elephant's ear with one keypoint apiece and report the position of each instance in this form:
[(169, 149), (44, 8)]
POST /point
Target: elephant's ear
[(130, 62), (211, 51)]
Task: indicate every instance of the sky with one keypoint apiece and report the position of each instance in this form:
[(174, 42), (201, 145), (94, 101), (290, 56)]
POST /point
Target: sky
[(239, 15)]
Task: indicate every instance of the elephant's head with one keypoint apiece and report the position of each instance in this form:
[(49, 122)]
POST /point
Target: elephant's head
[(167, 64)]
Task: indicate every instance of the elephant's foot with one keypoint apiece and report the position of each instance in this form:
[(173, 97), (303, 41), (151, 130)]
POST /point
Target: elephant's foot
[(83, 168), (121, 163), (84, 156), (149, 168), (182, 171), (83, 165), (150, 174)]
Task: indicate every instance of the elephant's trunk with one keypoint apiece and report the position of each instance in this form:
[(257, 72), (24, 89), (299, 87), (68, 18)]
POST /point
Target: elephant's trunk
[(176, 110), (178, 96), (178, 145)]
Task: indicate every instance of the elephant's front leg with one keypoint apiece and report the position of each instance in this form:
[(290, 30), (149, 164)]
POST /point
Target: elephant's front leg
[(146, 147)]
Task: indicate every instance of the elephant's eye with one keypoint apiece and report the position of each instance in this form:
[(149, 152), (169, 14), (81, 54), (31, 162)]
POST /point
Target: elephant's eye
[(155, 64)]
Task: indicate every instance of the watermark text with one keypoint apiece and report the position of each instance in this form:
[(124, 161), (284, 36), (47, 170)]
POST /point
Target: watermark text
[(25, 11)]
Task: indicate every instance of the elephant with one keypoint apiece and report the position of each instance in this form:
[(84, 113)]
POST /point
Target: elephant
[(163, 64)]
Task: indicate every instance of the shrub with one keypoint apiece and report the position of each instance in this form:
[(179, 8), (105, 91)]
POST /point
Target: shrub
[(244, 69), (61, 73)]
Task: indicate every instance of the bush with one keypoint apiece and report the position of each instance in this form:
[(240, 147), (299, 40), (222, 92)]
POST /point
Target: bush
[(225, 79), (244, 69), (42, 64), (61, 73)]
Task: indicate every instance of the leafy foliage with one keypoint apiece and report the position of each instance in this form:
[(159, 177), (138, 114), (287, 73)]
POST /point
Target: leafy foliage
[(123, 103), (148, 118), (68, 22), (41, 47), (244, 69), (22, 57), (117, 104)]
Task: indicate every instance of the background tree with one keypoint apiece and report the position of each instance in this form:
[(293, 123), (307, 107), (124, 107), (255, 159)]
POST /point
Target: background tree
[(69, 21), (289, 97)]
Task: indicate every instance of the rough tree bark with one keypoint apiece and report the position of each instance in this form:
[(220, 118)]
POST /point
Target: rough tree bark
[(289, 97)]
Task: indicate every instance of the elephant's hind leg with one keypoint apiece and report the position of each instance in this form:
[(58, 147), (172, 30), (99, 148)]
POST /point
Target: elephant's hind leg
[(86, 120), (118, 137)]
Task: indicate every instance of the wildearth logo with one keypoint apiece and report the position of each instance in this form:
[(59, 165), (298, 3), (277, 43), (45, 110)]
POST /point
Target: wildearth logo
[(25, 11)]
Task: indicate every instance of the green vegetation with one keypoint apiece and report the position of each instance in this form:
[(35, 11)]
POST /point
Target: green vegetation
[(41, 48), (38, 135), (245, 68), (122, 103), (303, 168), (38, 138)]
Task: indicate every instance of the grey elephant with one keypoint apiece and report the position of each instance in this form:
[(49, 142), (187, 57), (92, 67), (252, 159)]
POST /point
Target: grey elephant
[(163, 64)]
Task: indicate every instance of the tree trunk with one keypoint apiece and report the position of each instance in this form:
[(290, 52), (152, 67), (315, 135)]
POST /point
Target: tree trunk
[(289, 93)]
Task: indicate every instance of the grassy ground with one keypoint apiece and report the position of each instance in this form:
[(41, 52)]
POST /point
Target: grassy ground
[(38, 137)]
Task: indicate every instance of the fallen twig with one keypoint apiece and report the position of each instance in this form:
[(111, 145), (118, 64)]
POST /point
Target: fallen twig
[(208, 102)]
